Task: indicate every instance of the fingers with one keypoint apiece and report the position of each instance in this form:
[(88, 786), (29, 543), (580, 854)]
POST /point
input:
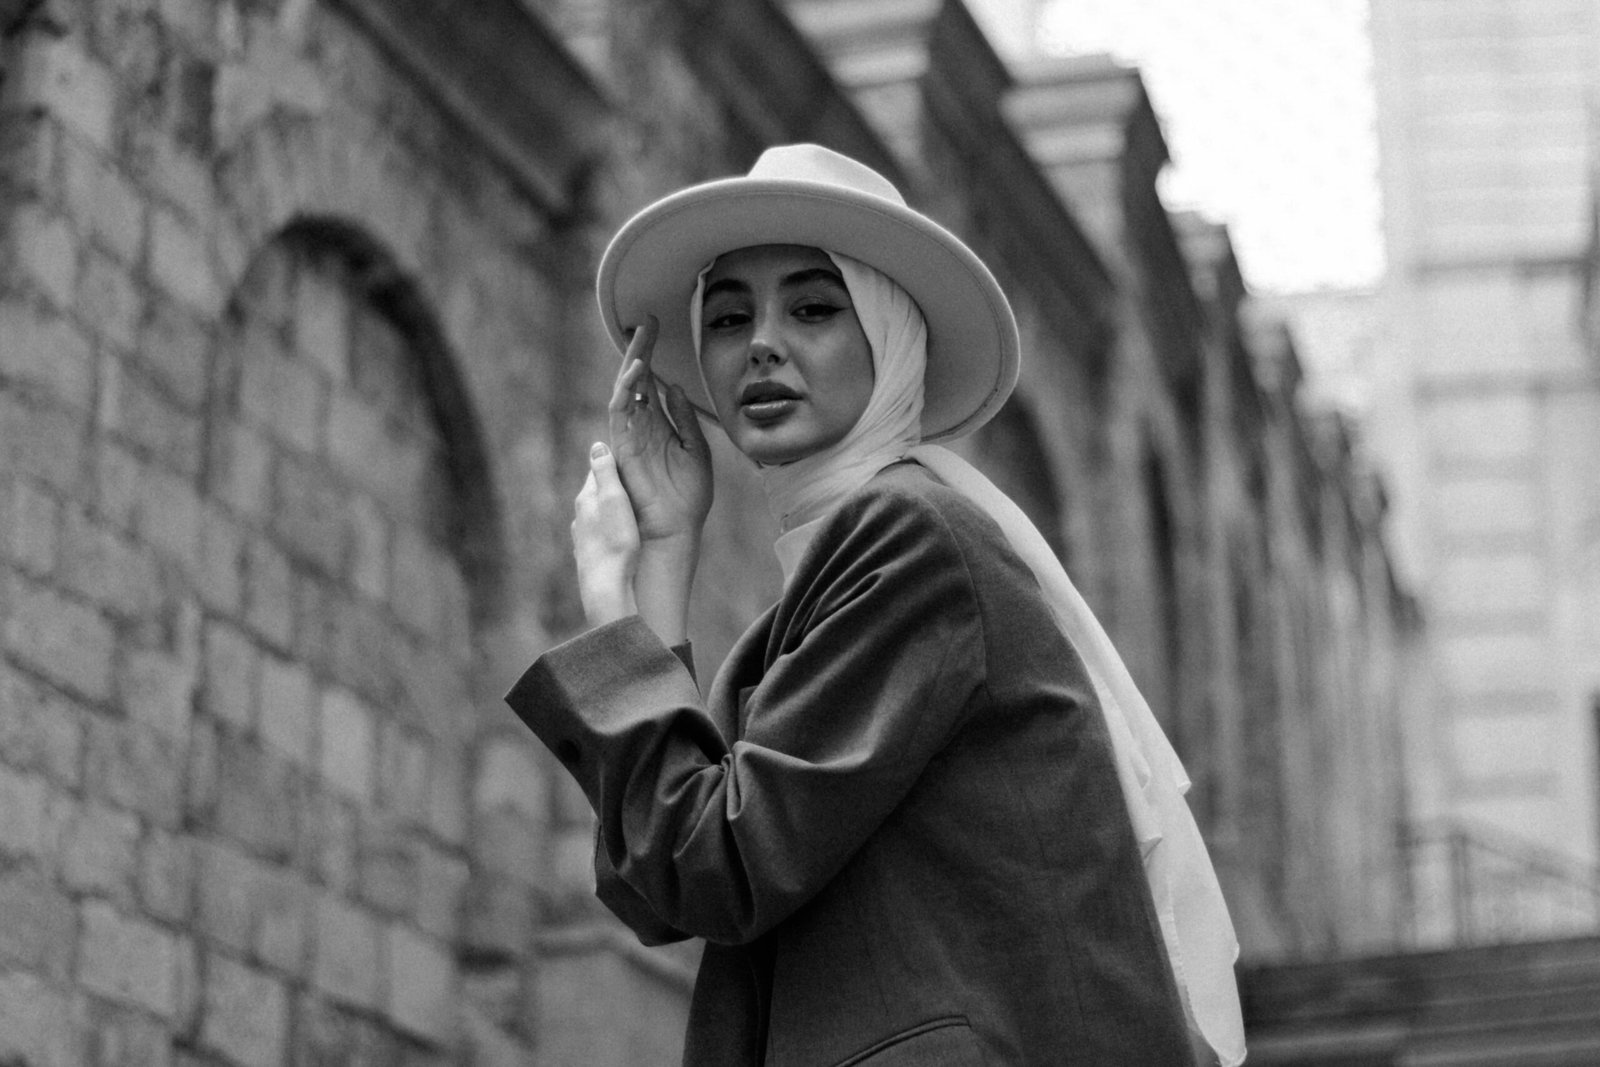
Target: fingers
[(686, 419), (634, 386)]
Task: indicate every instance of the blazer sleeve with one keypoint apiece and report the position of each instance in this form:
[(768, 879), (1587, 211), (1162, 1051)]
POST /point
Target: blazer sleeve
[(874, 665)]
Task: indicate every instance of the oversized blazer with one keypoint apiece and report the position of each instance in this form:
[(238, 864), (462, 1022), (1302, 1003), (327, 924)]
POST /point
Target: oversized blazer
[(894, 819)]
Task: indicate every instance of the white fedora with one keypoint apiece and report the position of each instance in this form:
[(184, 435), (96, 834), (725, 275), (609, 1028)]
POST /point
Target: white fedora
[(809, 195)]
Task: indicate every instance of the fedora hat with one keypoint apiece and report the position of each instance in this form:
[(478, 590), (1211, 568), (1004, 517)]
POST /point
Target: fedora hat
[(809, 195)]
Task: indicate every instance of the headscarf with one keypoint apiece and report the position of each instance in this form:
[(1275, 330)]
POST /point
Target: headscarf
[(1195, 926)]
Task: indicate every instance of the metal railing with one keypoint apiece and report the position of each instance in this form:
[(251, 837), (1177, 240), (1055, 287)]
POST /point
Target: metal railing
[(1469, 885)]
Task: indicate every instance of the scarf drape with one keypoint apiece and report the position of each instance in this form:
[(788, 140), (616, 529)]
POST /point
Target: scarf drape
[(1195, 926)]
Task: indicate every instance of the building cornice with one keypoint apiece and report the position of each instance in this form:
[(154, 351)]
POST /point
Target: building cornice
[(506, 77)]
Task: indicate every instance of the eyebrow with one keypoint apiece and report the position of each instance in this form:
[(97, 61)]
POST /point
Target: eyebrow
[(799, 277)]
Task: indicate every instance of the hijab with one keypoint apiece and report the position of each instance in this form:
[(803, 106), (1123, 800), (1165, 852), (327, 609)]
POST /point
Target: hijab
[(1195, 926)]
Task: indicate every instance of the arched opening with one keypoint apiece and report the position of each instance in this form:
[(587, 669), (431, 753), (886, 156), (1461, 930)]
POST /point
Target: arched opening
[(1165, 594), (1013, 456)]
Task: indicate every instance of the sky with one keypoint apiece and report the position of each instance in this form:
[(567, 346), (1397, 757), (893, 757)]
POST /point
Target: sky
[(1267, 109)]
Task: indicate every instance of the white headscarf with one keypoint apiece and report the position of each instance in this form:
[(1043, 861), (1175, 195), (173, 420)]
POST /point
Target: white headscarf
[(1199, 935)]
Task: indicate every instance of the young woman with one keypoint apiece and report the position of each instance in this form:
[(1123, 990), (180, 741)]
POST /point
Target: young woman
[(921, 816)]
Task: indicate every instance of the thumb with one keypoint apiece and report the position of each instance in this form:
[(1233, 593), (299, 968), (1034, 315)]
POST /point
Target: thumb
[(602, 465), (686, 419)]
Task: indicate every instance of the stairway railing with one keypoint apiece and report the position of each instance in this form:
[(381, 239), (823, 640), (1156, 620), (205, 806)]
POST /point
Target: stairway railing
[(1469, 885)]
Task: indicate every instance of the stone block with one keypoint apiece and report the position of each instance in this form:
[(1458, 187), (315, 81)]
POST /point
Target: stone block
[(1500, 429), (180, 263), (387, 866), (24, 799), (231, 674), (506, 842), (123, 1036), (596, 1007), (109, 569), (441, 888), (1484, 663), (367, 647), (322, 321), (422, 986), (448, 790), (37, 1025), (497, 920), (45, 442), (283, 919), (43, 349), (258, 802), (348, 727), (37, 922), (157, 688), (246, 1013), (218, 571), (288, 710), (44, 249), (102, 201), (30, 522), (268, 592), (369, 547), (226, 890), (511, 775), (331, 840), (63, 79), (127, 960), (138, 768), (166, 876), (109, 300), (1487, 584), (167, 516), (98, 851), (178, 350), (139, 412), (402, 778), (1515, 745), (28, 147), (283, 396), (309, 515), (66, 640), (240, 470), (413, 589), (348, 958), (314, 619), (40, 729)]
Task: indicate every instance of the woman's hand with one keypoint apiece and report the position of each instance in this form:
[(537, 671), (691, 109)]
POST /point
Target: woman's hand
[(605, 542), (665, 463), (636, 535)]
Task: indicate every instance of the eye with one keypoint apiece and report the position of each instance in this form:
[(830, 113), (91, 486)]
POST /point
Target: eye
[(816, 310), (725, 319)]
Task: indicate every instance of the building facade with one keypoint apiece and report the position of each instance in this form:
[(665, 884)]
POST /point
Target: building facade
[(1485, 399), (299, 366)]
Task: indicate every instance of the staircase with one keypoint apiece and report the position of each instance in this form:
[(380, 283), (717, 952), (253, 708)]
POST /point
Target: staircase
[(1532, 1004)]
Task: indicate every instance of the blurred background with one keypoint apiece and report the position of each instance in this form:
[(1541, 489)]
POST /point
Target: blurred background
[(299, 365)]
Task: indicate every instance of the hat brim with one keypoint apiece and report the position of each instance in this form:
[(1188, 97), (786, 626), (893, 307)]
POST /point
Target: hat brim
[(651, 266)]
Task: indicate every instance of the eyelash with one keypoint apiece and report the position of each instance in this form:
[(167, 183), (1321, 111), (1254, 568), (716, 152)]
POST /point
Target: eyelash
[(809, 311)]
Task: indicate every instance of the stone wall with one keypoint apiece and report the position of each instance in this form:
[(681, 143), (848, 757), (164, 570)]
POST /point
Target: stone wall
[(299, 367)]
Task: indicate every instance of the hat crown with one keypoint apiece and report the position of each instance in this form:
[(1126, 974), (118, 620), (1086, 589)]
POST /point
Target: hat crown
[(814, 163)]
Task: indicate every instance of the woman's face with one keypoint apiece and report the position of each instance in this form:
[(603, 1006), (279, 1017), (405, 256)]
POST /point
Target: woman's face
[(782, 351)]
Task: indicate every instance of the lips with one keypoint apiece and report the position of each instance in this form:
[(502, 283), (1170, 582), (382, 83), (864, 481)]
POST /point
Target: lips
[(767, 401), (765, 391)]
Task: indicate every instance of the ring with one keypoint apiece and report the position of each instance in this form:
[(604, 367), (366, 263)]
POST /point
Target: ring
[(642, 399)]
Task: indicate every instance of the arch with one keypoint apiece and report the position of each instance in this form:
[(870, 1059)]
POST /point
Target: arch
[(1015, 458), (1166, 593), (472, 528)]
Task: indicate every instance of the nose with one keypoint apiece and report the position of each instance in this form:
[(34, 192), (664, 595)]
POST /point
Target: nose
[(766, 348)]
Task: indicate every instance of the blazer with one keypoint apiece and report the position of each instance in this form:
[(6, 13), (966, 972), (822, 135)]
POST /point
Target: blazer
[(895, 817)]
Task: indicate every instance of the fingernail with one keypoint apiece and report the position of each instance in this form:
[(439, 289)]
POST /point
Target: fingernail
[(598, 450)]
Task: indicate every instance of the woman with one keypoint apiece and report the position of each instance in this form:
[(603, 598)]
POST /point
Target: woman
[(922, 815)]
